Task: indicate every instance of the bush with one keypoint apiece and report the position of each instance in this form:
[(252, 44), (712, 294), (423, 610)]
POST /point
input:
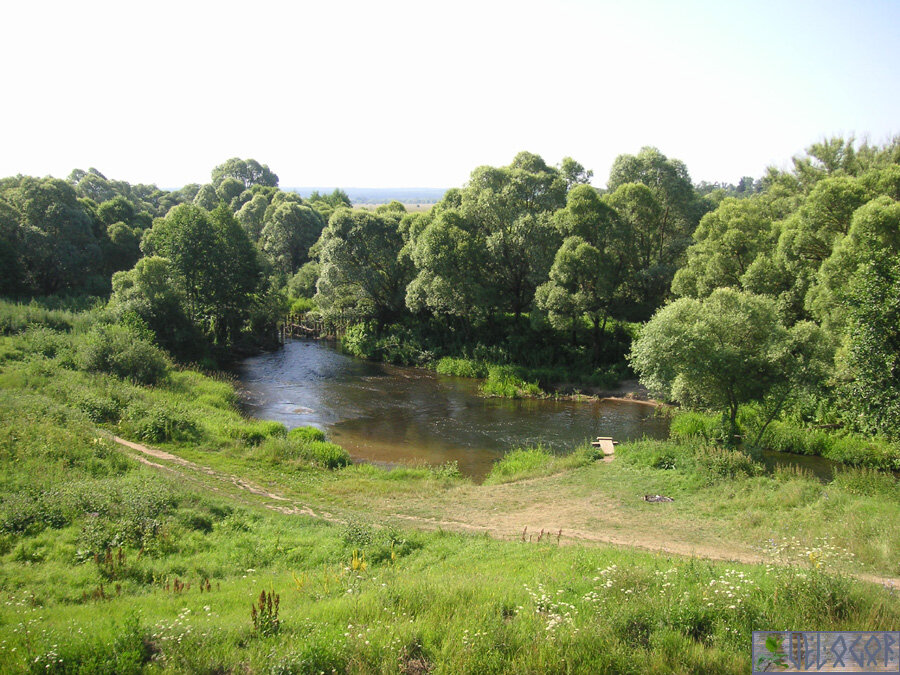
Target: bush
[(663, 455), (298, 447), (504, 381), (325, 454), (359, 341), (698, 426), (17, 317), (845, 448), (122, 351), (868, 482), (724, 463), (302, 306), (460, 367), (158, 424)]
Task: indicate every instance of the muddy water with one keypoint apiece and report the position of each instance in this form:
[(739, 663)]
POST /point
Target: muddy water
[(393, 415)]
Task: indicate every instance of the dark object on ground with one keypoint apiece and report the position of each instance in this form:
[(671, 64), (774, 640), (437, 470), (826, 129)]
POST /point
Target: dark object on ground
[(657, 498)]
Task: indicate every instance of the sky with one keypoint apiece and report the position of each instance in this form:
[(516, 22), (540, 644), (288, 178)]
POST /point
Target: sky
[(418, 94)]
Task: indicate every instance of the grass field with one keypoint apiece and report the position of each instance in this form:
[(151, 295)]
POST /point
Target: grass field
[(119, 560)]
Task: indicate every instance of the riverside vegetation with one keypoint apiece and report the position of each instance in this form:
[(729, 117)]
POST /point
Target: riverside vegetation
[(766, 311)]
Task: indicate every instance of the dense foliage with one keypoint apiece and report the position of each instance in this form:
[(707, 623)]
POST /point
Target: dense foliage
[(526, 265), (814, 250)]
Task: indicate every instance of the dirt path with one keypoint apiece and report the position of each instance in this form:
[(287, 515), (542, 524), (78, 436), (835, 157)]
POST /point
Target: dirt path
[(508, 511), (141, 452)]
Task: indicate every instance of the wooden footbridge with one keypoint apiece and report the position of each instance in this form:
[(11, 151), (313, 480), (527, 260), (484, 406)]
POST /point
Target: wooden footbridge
[(607, 444), (311, 327)]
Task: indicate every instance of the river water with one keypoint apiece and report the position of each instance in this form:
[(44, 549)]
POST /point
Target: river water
[(394, 415)]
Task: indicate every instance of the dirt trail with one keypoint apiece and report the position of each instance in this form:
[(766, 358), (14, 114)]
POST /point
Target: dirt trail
[(240, 483), (476, 510)]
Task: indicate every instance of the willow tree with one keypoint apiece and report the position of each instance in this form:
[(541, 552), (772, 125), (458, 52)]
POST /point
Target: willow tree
[(727, 350)]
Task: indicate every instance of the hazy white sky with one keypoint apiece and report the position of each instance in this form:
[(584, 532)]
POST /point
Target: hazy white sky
[(390, 94)]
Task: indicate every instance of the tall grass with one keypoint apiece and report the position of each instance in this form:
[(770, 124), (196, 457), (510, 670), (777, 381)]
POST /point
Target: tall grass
[(533, 462), (56, 313), (789, 436)]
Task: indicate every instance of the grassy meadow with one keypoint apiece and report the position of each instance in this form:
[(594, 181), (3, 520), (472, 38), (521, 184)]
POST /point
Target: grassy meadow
[(245, 548)]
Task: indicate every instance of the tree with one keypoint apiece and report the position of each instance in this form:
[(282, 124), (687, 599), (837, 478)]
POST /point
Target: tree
[(857, 296), (654, 252), (11, 280), (247, 171), (501, 219), (875, 229), (580, 284), (303, 283), (726, 243), (116, 210), (54, 239), (574, 173), (206, 197), (148, 291), (872, 366), (252, 214), (288, 234), (719, 352), (121, 247), (229, 189), (362, 274), (449, 260)]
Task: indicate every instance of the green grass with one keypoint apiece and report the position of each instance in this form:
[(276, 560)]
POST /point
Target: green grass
[(112, 566), (534, 462)]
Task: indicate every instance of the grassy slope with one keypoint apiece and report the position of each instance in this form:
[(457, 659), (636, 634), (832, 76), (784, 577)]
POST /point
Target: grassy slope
[(453, 602)]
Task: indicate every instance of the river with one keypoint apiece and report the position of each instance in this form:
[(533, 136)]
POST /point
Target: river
[(395, 415)]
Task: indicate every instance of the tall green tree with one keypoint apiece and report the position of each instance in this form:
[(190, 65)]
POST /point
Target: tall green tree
[(290, 231), (719, 352), (500, 222), (362, 275), (727, 241), (213, 264), (580, 284), (247, 171), (56, 247)]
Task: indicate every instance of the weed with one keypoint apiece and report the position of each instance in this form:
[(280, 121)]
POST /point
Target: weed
[(264, 614)]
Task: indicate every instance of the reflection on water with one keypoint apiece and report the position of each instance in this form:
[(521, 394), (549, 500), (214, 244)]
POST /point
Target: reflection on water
[(389, 414)]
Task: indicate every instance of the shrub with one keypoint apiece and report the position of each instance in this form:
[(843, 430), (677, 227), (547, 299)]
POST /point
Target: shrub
[(100, 408), (460, 367), (297, 447), (504, 381), (17, 317), (302, 306), (123, 352), (664, 455), (698, 426), (158, 424), (359, 341), (845, 448), (325, 454), (725, 463)]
